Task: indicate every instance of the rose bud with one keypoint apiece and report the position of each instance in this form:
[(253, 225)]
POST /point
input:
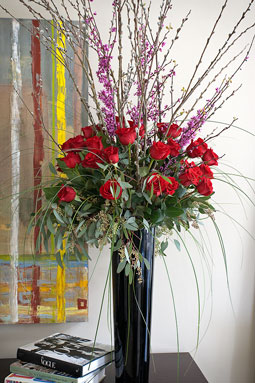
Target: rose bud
[(94, 143), (205, 186), (88, 131), (210, 158), (126, 135), (107, 188), (66, 194), (196, 148), (159, 150), (111, 154), (71, 159)]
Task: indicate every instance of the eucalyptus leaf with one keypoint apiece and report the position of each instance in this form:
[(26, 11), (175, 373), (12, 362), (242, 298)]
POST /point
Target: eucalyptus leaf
[(50, 225), (127, 269), (52, 169), (143, 171), (130, 276), (147, 264), (58, 217), (177, 244), (121, 266)]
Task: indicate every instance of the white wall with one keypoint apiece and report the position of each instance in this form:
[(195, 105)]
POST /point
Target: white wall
[(226, 351)]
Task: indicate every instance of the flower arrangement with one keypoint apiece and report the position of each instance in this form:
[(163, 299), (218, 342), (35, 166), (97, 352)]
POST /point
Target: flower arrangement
[(143, 160)]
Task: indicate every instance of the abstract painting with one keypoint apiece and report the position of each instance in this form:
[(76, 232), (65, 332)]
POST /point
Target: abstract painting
[(38, 106)]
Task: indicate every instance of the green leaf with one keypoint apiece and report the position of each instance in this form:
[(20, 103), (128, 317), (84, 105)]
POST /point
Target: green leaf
[(147, 264), (127, 269), (143, 171), (84, 251), (69, 210), (91, 229), (58, 217), (163, 246), (118, 245), (173, 211), (52, 168), (146, 224), (124, 185), (132, 227), (79, 226), (58, 240), (101, 166), (177, 244), (157, 216), (50, 226), (147, 198), (51, 192), (121, 266)]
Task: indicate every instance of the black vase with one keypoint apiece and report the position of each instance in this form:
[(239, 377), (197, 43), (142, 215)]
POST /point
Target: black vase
[(132, 314)]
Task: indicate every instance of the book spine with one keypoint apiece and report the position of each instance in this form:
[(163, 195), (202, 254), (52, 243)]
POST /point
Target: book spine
[(55, 364), (58, 378)]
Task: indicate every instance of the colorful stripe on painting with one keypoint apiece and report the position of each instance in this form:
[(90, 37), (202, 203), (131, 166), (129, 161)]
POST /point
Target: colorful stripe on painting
[(61, 133), (15, 156)]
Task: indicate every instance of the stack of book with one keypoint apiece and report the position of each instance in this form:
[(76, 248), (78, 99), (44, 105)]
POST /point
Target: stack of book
[(61, 358)]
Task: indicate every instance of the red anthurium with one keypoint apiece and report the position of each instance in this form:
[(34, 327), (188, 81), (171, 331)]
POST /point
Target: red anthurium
[(66, 194), (111, 190), (159, 150), (126, 135)]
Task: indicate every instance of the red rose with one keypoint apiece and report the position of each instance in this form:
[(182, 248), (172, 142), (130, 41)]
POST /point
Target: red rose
[(171, 187), (71, 159), (205, 186), (66, 194), (91, 159), (210, 158), (159, 150), (174, 147), (196, 148), (126, 135), (160, 185), (173, 131), (132, 124), (191, 176), (73, 144), (206, 171), (88, 131), (94, 143), (111, 154), (109, 187)]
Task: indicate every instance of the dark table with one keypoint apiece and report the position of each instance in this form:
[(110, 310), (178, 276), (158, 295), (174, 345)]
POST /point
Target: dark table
[(165, 364)]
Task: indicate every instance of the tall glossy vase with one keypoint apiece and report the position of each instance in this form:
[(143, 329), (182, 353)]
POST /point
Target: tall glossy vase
[(132, 315)]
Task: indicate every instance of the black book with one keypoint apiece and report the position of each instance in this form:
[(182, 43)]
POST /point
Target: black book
[(67, 353)]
